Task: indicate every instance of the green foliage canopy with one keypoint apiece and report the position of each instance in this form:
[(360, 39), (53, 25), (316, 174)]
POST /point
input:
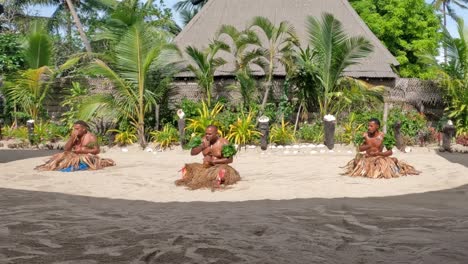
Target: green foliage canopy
[(406, 27)]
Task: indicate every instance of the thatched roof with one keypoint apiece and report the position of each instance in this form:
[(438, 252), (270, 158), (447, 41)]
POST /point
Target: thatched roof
[(415, 91), (239, 13)]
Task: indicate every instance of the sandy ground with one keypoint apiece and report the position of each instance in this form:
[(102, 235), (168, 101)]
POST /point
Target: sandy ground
[(41, 221), (277, 174)]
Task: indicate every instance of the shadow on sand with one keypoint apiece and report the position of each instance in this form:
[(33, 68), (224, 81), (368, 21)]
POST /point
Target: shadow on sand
[(460, 158), (38, 227)]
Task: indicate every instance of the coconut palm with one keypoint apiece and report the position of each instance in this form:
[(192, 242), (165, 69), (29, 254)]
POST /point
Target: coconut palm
[(244, 49), (204, 63), (138, 50), (188, 9), (447, 7), (29, 88), (334, 51), (279, 41), (453, 77), (69, 7)]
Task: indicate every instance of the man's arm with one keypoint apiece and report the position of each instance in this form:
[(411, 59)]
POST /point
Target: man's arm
[(364, 147), (90, 146), (383, 154), (196, 150), (222, 161), (70, 143)]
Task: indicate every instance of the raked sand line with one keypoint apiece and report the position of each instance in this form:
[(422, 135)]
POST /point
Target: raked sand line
[(277, 174)]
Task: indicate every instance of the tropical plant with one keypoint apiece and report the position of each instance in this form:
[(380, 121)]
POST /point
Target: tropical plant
[(334, 52), (243, 130), (72, 101), (11, 55), (244, 58), (279, 41), (447, 7), (188, 9), (30, 89), (125, 137), (453, 77), (282, 133), (351, 130), (204, 64), (137, 50), (67, 9), (166, 137), (311, 132), (206, 117)]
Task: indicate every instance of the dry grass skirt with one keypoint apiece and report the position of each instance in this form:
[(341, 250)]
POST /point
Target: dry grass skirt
[(71, 160), (196, 176), (378, 167)]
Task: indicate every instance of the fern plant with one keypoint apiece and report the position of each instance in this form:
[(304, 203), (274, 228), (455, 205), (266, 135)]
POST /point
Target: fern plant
[(165, 137)]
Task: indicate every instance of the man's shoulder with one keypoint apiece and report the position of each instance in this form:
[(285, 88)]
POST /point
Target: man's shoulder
[(90, 136), (223, 141)]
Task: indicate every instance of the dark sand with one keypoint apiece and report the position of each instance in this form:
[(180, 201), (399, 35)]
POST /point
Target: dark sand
[(38, 227), (8, 155)]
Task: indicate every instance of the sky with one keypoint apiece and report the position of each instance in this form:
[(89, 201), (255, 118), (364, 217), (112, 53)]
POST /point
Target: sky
[(451, 25)]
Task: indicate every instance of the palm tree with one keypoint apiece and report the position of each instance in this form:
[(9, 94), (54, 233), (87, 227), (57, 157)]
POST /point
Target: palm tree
[(245, 56), (445, 6), (334, 51), (29, 88), (138, 49), (69, 7), (280, 41), (189, 8), (204, 64)]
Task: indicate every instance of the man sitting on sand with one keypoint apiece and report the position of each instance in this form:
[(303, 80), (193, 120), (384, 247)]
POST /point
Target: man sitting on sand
[(376, 163), (80, 152), (215, 169)]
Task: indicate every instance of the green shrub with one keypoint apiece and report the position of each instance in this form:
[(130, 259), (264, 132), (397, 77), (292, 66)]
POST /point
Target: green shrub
[(311, 133)]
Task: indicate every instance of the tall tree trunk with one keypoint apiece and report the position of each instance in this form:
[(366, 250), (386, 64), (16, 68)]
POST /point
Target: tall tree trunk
[(79, 26), (444, 6)]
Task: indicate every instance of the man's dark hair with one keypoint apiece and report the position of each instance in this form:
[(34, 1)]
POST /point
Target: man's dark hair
[(375, 120), (82, 123), (212, 126)]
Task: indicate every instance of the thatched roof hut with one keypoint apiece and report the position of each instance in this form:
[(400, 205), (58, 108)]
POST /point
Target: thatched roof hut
[(239, 13)]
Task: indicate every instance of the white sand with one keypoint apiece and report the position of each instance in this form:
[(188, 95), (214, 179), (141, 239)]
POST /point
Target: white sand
[(274, 175)]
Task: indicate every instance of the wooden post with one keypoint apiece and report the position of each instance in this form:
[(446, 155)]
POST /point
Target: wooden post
[(181, 126), (156, 115), (264, 128), (385, 117), (329, 123), (1, 125), (30, 126), (400, 144), (448, 132)]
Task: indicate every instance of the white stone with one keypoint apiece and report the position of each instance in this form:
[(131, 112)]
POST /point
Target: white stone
[(313, 152), (329, 118), (124, 149), (322, 151), (280, 147), (288, 147), (296, 146), (320, 146)]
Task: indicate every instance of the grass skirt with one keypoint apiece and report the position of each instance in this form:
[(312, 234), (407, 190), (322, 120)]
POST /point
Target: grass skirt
[(66, 160), (378, 167), (196, 176)]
